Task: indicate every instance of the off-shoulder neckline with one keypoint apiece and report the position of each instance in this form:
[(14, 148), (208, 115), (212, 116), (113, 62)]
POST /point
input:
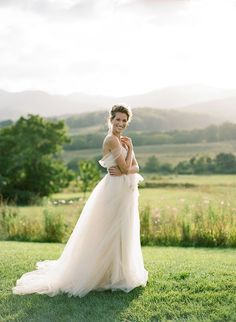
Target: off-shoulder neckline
[(118, 141)]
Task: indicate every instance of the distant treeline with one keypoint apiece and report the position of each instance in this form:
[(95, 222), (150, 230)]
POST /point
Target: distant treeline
[(212, 133), (222, 163), (6, 123), (145, 120)]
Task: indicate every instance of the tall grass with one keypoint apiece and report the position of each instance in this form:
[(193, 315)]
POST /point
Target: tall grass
[(54, 226), (206, 223), (14, 226), (209, 224)]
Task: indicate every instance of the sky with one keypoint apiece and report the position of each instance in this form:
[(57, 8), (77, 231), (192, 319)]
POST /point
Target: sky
[(116, 47)]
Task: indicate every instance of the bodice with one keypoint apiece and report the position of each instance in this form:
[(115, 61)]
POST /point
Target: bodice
[(109, 160)]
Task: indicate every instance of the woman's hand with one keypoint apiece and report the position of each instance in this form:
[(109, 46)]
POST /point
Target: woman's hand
[(114, 171), (127, 141)]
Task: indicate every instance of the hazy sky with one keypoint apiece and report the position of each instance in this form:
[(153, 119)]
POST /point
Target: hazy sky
[(116, 47)]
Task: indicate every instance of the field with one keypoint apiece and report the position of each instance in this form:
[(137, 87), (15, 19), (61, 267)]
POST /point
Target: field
[(183, 190), (179, 210), (172, 153), (171, 190), (185, 284)]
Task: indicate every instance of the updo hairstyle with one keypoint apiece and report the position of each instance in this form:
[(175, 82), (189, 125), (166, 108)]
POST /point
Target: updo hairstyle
[(121, 109)]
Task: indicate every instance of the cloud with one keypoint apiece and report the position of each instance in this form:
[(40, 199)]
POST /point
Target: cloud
[(60, 8), (90, 8), (115, 47)]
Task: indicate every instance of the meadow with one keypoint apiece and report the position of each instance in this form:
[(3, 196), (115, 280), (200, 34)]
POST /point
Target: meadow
[(171, 153), (177, 211), (185, 284)]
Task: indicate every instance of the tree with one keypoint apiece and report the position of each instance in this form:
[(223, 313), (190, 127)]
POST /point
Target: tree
[(184, 167), (152, 164), (225, 163), (166, 168), (89, 175), (28, 165)]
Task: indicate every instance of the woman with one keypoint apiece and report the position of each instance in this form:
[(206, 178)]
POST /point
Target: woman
[(103, 251)]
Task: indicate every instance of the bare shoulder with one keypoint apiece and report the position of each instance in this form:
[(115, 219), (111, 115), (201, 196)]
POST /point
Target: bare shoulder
[(110, 142)]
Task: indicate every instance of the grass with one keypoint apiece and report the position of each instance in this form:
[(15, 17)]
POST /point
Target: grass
[(185, 284), (223, 180), (214, 187), (202, 214), (218, 189)]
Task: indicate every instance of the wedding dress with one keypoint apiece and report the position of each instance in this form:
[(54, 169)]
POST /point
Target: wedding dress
[(104, 250)]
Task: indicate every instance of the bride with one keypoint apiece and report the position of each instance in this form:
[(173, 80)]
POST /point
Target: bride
[(104, 250)]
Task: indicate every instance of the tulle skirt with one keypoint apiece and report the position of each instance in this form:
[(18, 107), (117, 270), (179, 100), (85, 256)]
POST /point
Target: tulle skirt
[(103, 251)]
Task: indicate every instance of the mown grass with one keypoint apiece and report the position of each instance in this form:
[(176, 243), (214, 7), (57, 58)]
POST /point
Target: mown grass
[(185, 284)]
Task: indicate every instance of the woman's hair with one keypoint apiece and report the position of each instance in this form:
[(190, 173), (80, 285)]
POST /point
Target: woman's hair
[(119, 108)]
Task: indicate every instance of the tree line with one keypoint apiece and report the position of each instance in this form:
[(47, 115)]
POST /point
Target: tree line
[(222, 163), (212, 133), (145, 120)]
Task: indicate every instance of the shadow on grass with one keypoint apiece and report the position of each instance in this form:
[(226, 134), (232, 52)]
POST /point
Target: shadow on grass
[(95, 306)]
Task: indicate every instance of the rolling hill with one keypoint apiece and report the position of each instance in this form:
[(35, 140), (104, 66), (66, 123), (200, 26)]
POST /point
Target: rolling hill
[(216, 103)]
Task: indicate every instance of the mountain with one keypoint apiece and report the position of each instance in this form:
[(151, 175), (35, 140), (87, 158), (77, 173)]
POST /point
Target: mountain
[(174, 97), (225, 109), (15, 104), (145, 120)]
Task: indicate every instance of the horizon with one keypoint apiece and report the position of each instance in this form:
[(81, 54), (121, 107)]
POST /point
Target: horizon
[(132, 94)]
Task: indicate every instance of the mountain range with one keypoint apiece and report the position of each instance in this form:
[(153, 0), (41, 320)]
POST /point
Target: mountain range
[(217, 104)]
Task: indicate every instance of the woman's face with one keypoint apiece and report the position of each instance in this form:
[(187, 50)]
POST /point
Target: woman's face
[(120, 122)]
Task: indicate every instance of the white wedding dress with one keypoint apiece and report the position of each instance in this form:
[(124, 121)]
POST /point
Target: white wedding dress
[(104, 250)]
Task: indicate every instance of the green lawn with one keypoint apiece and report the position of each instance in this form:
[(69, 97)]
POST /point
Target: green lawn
[(185, 284)]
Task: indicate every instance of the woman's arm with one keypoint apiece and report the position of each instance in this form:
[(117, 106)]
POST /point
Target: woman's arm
[(130, 160), (113, 145), (115, 170), (134, 166)]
